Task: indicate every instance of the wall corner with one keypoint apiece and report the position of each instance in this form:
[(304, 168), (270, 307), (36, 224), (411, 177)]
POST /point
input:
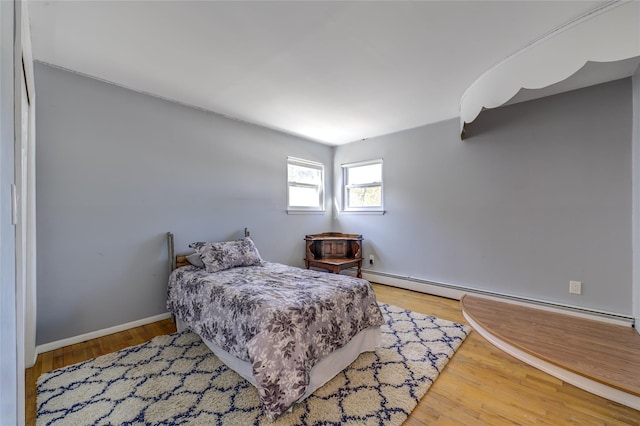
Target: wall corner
[(635, 218)]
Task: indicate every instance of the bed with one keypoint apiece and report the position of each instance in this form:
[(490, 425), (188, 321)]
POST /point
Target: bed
[(286, 330)]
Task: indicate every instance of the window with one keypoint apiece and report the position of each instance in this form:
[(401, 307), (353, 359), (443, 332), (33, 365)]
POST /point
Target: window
[(363, 186), (305, 185)]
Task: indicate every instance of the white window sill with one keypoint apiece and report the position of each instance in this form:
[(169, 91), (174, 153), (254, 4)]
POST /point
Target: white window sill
[(306, 211), (380, 212)]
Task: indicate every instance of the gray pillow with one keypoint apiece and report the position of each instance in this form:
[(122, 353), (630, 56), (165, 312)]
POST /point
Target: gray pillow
[(229, 254), (195, 260)]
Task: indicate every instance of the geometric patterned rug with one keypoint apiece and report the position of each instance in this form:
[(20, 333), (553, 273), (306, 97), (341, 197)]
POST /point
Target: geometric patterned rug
[(175, 379)]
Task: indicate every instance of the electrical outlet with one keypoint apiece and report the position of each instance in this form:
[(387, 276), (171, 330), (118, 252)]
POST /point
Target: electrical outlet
[(371, 259), (575, 287)]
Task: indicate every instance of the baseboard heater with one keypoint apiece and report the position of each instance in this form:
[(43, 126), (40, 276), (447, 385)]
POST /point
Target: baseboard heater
[(456, 292)]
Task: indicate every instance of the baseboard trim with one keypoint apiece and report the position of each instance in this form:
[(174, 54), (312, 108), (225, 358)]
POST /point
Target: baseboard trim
[(577, 380), (456, 292), (51, 346)]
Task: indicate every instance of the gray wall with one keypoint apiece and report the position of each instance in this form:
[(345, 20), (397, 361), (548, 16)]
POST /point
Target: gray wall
[(538, 195), (117, 169)]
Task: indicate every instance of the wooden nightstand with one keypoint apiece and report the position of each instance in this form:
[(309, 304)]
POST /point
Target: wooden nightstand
[(334, 251)]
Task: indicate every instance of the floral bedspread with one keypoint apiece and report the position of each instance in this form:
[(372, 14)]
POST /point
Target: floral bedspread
[(281, 319)]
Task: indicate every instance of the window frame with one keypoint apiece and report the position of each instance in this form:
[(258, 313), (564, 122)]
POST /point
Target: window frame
[(321, 193), (346, 186)]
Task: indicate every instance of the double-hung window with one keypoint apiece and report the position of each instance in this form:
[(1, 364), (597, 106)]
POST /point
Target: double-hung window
[(305, 185), (362, 189)]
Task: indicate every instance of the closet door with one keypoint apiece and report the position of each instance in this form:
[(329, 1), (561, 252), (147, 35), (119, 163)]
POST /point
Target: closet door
[(12, 400)]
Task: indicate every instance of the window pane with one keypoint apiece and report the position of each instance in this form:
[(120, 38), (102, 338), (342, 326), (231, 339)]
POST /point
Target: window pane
[(364, 174), (303, 174), (369, 196), (304, 197), (305, 185)]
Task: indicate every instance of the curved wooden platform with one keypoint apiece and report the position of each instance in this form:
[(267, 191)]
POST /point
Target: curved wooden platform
[(598, 357)]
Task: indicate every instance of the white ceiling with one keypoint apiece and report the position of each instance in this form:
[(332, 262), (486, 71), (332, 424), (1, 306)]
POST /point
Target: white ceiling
[(329, 71)]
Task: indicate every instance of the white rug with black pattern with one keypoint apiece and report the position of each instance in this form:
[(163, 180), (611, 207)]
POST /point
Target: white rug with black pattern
[(175, 379)]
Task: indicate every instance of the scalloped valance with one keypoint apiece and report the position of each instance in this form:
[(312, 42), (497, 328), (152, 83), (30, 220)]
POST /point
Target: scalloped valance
[(608, 33)]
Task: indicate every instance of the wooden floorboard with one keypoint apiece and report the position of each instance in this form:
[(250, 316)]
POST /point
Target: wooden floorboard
[(600, 351), (481, 385)]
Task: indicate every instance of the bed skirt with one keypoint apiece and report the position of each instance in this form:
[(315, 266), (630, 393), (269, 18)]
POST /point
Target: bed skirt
[(365, 341)]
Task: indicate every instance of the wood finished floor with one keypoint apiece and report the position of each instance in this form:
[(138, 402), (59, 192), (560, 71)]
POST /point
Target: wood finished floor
[(603, 352), (481, 385)]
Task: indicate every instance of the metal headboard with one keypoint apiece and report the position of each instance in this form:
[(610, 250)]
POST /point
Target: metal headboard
[(172, 253)]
